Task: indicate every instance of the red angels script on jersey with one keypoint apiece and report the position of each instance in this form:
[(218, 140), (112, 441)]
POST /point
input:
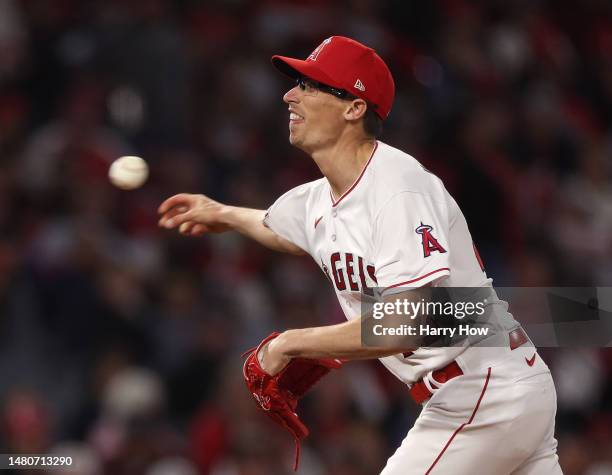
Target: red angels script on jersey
[(317, 51), (430, 243), (348, 272)]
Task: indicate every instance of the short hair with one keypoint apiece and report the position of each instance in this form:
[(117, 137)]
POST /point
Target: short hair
[(372, 123)]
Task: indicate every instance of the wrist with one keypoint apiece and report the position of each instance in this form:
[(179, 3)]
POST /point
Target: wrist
[(284, 344), (225, 215)]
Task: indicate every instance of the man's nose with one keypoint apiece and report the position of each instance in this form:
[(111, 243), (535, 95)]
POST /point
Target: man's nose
[(292, 95)]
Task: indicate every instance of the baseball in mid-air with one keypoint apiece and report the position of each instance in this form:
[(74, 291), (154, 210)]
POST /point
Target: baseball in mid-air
[(128, 173)]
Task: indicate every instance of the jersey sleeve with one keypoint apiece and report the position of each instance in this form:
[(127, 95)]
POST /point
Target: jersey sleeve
[(287, 216), (410, 241)]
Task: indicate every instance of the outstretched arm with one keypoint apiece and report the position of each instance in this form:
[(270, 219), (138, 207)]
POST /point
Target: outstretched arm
[(196, 215)]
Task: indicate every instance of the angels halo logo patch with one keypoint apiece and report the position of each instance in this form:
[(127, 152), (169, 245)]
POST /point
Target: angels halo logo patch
[(429, 242)]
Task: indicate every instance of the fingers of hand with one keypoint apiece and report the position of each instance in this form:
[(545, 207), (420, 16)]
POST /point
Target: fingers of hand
[(182, 199), (174, 216), (185, 228), (191, 228), (199, 230)]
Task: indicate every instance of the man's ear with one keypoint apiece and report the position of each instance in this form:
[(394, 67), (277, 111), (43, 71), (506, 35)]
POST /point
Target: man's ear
[(355, 110)]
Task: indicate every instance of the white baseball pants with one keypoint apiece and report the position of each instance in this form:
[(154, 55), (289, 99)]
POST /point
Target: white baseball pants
[(498, 418)]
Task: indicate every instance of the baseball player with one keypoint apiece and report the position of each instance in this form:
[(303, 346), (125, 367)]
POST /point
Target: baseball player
[(378, 219)]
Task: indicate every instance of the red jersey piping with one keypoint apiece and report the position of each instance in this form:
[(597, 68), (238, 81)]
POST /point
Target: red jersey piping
[(418, 278), (335, 203)]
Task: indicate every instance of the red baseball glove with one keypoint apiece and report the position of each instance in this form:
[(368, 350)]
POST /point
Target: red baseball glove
[(278, 395)]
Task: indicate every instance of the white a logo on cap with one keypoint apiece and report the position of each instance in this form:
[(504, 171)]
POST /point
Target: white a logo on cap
[(315, 54), (359, 85)]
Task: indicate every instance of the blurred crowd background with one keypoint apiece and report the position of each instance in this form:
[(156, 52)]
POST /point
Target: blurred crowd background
[(120, 342)]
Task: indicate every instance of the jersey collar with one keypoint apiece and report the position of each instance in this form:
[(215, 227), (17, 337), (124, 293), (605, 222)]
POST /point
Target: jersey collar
[(352, 187)]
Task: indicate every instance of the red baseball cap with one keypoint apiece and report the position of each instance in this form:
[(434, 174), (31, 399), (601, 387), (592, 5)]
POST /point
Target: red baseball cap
[(344, 63)]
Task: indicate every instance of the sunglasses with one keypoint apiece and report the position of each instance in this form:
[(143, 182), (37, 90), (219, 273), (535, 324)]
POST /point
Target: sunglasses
[(310, 86)]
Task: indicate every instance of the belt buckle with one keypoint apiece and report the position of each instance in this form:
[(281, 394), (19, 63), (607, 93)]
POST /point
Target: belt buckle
[(429, 381)]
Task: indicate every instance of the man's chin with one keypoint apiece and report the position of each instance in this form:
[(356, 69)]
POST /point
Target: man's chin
[(293, 140), (298, 142)]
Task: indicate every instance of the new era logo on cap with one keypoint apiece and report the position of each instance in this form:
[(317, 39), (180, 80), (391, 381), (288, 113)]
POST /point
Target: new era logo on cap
[(359, 85), (344, 63)]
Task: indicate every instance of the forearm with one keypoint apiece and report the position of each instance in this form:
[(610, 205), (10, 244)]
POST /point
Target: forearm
[(249, 222), (342, 341)]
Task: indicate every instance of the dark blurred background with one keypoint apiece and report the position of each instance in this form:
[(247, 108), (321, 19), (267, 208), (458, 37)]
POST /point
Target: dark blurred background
[(120, 343)]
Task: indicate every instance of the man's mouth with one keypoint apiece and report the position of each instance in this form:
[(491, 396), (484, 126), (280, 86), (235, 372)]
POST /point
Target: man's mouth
[(293, 117)]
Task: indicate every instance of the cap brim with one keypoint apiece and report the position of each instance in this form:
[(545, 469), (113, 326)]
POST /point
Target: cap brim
[(296, 68)]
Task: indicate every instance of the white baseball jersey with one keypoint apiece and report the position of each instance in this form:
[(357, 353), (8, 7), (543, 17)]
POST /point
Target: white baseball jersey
[(395, 227), (398, 227)]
